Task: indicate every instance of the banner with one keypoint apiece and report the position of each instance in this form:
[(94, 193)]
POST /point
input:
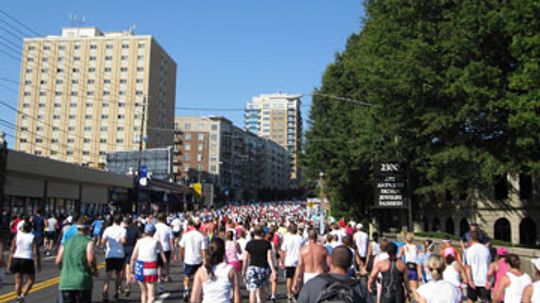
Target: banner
[(390, 185)]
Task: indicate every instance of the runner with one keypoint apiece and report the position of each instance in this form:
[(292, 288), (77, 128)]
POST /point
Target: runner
[(217, 281), (143, 262), (132, 235), (176, 225), (514, 282), (193, 247), (165, 237), (448, 249), (314, 260), (411, 254), (78, 264), (498, 269), (50, 234), (477, 259), (258, 264), (423, 260), (394, 282), (97, 228), (532, 292), (290, 253), (361, 240), (437, 290), (455, 273), (113, 237), (24, 251)]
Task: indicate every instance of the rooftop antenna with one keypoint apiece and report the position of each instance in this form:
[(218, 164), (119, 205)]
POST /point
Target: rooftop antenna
[(132, 28), (76, 21)]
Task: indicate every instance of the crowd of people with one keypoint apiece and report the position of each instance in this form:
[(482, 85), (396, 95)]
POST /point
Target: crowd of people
[(253, 246)]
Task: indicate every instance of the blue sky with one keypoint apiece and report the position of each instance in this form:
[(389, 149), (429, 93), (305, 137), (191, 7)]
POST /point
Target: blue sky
[(226, 50)]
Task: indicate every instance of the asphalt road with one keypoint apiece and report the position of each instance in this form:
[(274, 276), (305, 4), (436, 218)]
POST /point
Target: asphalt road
[(45, 289)]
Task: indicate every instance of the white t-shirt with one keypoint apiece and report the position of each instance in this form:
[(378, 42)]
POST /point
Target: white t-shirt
[(478, 258), (164, 235), (113, 234), (176, 225), (51, 224), (291, 246), (148, 249), (439, 292), (337, 235), (193, 243), (361, 240), (25, 244)]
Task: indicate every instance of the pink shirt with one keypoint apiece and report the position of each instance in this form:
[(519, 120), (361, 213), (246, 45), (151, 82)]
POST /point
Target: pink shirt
[(231, 251), (503, 269)]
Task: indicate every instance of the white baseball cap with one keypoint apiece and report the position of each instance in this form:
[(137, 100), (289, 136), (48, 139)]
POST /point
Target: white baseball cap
[(359, 226)]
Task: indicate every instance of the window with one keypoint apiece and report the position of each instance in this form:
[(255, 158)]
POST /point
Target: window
[(93, 46), (43, 82), (56, 117), (186, 157), (90, 81), (60, 59), (76, 58), (122, 81), (109, 46), (57, 105), (88, 104), (69, 153), (187, 126), (31, 47), (123, 69), (77, 46), (213, 137), (71, 128), (121, 104), (200, 137), (73, 104), (54, 140), (39, 140), (70, 140), (108, 69), (89, 93), (87, 128), (91, 69), (106, 81), (120, 129), (37, 152), (122, 93), (124, 57), (74, 81), (41, 105), (140, 69), (39, 128), (88, 117), (140, 45), (22, 140), (102, 140), (139, 81), (45, 59), (187, 146), (140, 57), (73, 94), (108, 58), (29, 93), (60, 70), (58, 93), (125, 46), (30, 59), (28, 70), (72, 116), (187, 137), (75, 70), (58, 81), (214, 127), (61, 47), (26, 105), (186, 168), (103, 128), (105, 105), (119, 140), (120, 117), (104, 116), (199, 157), (106, 93), (44, 70), (86, 153), (138, 93)]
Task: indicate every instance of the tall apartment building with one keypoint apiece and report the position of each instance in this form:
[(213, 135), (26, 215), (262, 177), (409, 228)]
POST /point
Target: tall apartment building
[(278, 117), (82, 95), (213, 150)]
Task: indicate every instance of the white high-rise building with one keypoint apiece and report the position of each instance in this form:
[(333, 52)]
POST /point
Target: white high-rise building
[(278, 117)]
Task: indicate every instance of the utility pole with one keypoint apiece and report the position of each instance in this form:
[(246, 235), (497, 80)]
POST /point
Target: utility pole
[(139, 158), (3, 164)]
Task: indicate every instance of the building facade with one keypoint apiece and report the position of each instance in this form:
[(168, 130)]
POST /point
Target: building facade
[(237, 162), (278, 117), (86, 93)]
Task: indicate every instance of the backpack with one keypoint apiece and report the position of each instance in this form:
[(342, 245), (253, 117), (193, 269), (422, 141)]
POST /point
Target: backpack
[(337, 291)]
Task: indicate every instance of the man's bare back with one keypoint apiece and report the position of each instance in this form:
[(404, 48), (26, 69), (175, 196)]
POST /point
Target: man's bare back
[(314, 257)]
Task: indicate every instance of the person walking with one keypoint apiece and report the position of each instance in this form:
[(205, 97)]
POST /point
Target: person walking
[(314, 260), (477, 258), (193, 247), (217, 281), (24, 252), (50, 233), (394, 282), (336, 286), (437, 290), (455, 273), (132, 235), (78, 265), (290, 253), (258, 265), (166, 240), (531, 293), (513, 283), (144, 263), (361, 240), (411, 254), (114, 238)]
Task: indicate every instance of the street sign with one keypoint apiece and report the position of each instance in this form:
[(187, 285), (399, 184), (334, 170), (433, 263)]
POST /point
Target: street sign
[(390, 185), (197, 188)]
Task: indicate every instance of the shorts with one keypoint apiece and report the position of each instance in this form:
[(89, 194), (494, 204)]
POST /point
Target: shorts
[(167, 256), (146, 271), (289, 272), (191, 269), (76, 296), (237, 265), (114, 264), (23, 266), (412, 271), (478, 293), (176, 234), (51, 235), (257, 277)]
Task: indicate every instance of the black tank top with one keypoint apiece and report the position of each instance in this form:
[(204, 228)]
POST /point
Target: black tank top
[(392, 285)]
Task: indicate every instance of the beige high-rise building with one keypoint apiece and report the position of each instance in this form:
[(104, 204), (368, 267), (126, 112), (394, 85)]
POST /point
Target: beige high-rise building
[(278, 117), (82, 94)]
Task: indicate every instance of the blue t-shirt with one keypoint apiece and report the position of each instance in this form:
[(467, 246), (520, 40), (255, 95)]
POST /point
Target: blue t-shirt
[(97, 225), (70, 233)]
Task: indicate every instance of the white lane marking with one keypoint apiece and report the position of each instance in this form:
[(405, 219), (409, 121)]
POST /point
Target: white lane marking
[(49, 258), (161, 298)]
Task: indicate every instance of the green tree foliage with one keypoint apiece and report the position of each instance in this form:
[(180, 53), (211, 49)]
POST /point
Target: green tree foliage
[(454, 92)]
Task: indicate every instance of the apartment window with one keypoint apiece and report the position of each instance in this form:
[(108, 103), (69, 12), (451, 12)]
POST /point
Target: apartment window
[(108, 58), (186, 167), (125, 46), (108, 69), (71, 128), (139, 81), (104, 117), (28, 70), (121, 104), (122, 93), (200, 137), (120, 117), (86, 153), (141, 45), (29, 93), (87, 128), (60, 70), (140, 69), (88, 104), (76, 58), (37, 152), (213, 137), (39, 128), (30, 59), (60, 59), (72, 116), (77, 46), (105, 105), (91, 69), (93, 46), (186, 157), (187, 147), (119, 140), (139, 57), (106, 81), (122, 81), (39, 140), (58, 81), (73, 94), (213, 168), (109, 46), (70, 140), (106, 93), (56, 117), (26, 105), (31, 47), (41, 105), (57, 105), (22, 140), (61, 47), (200, 147), (124, 57), (123, 69), (45, 59), (88, 117), (187, 137), (58, 93), (75, 70), (73, 104), (199, 157), (138, 93), (120, 129), (74, 81), (69, 153), (214, 127), (89, 93), (90, 81), (54, 140), (44, 70), (43, 82), (102, 140), (103, 128), (187, 126)]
